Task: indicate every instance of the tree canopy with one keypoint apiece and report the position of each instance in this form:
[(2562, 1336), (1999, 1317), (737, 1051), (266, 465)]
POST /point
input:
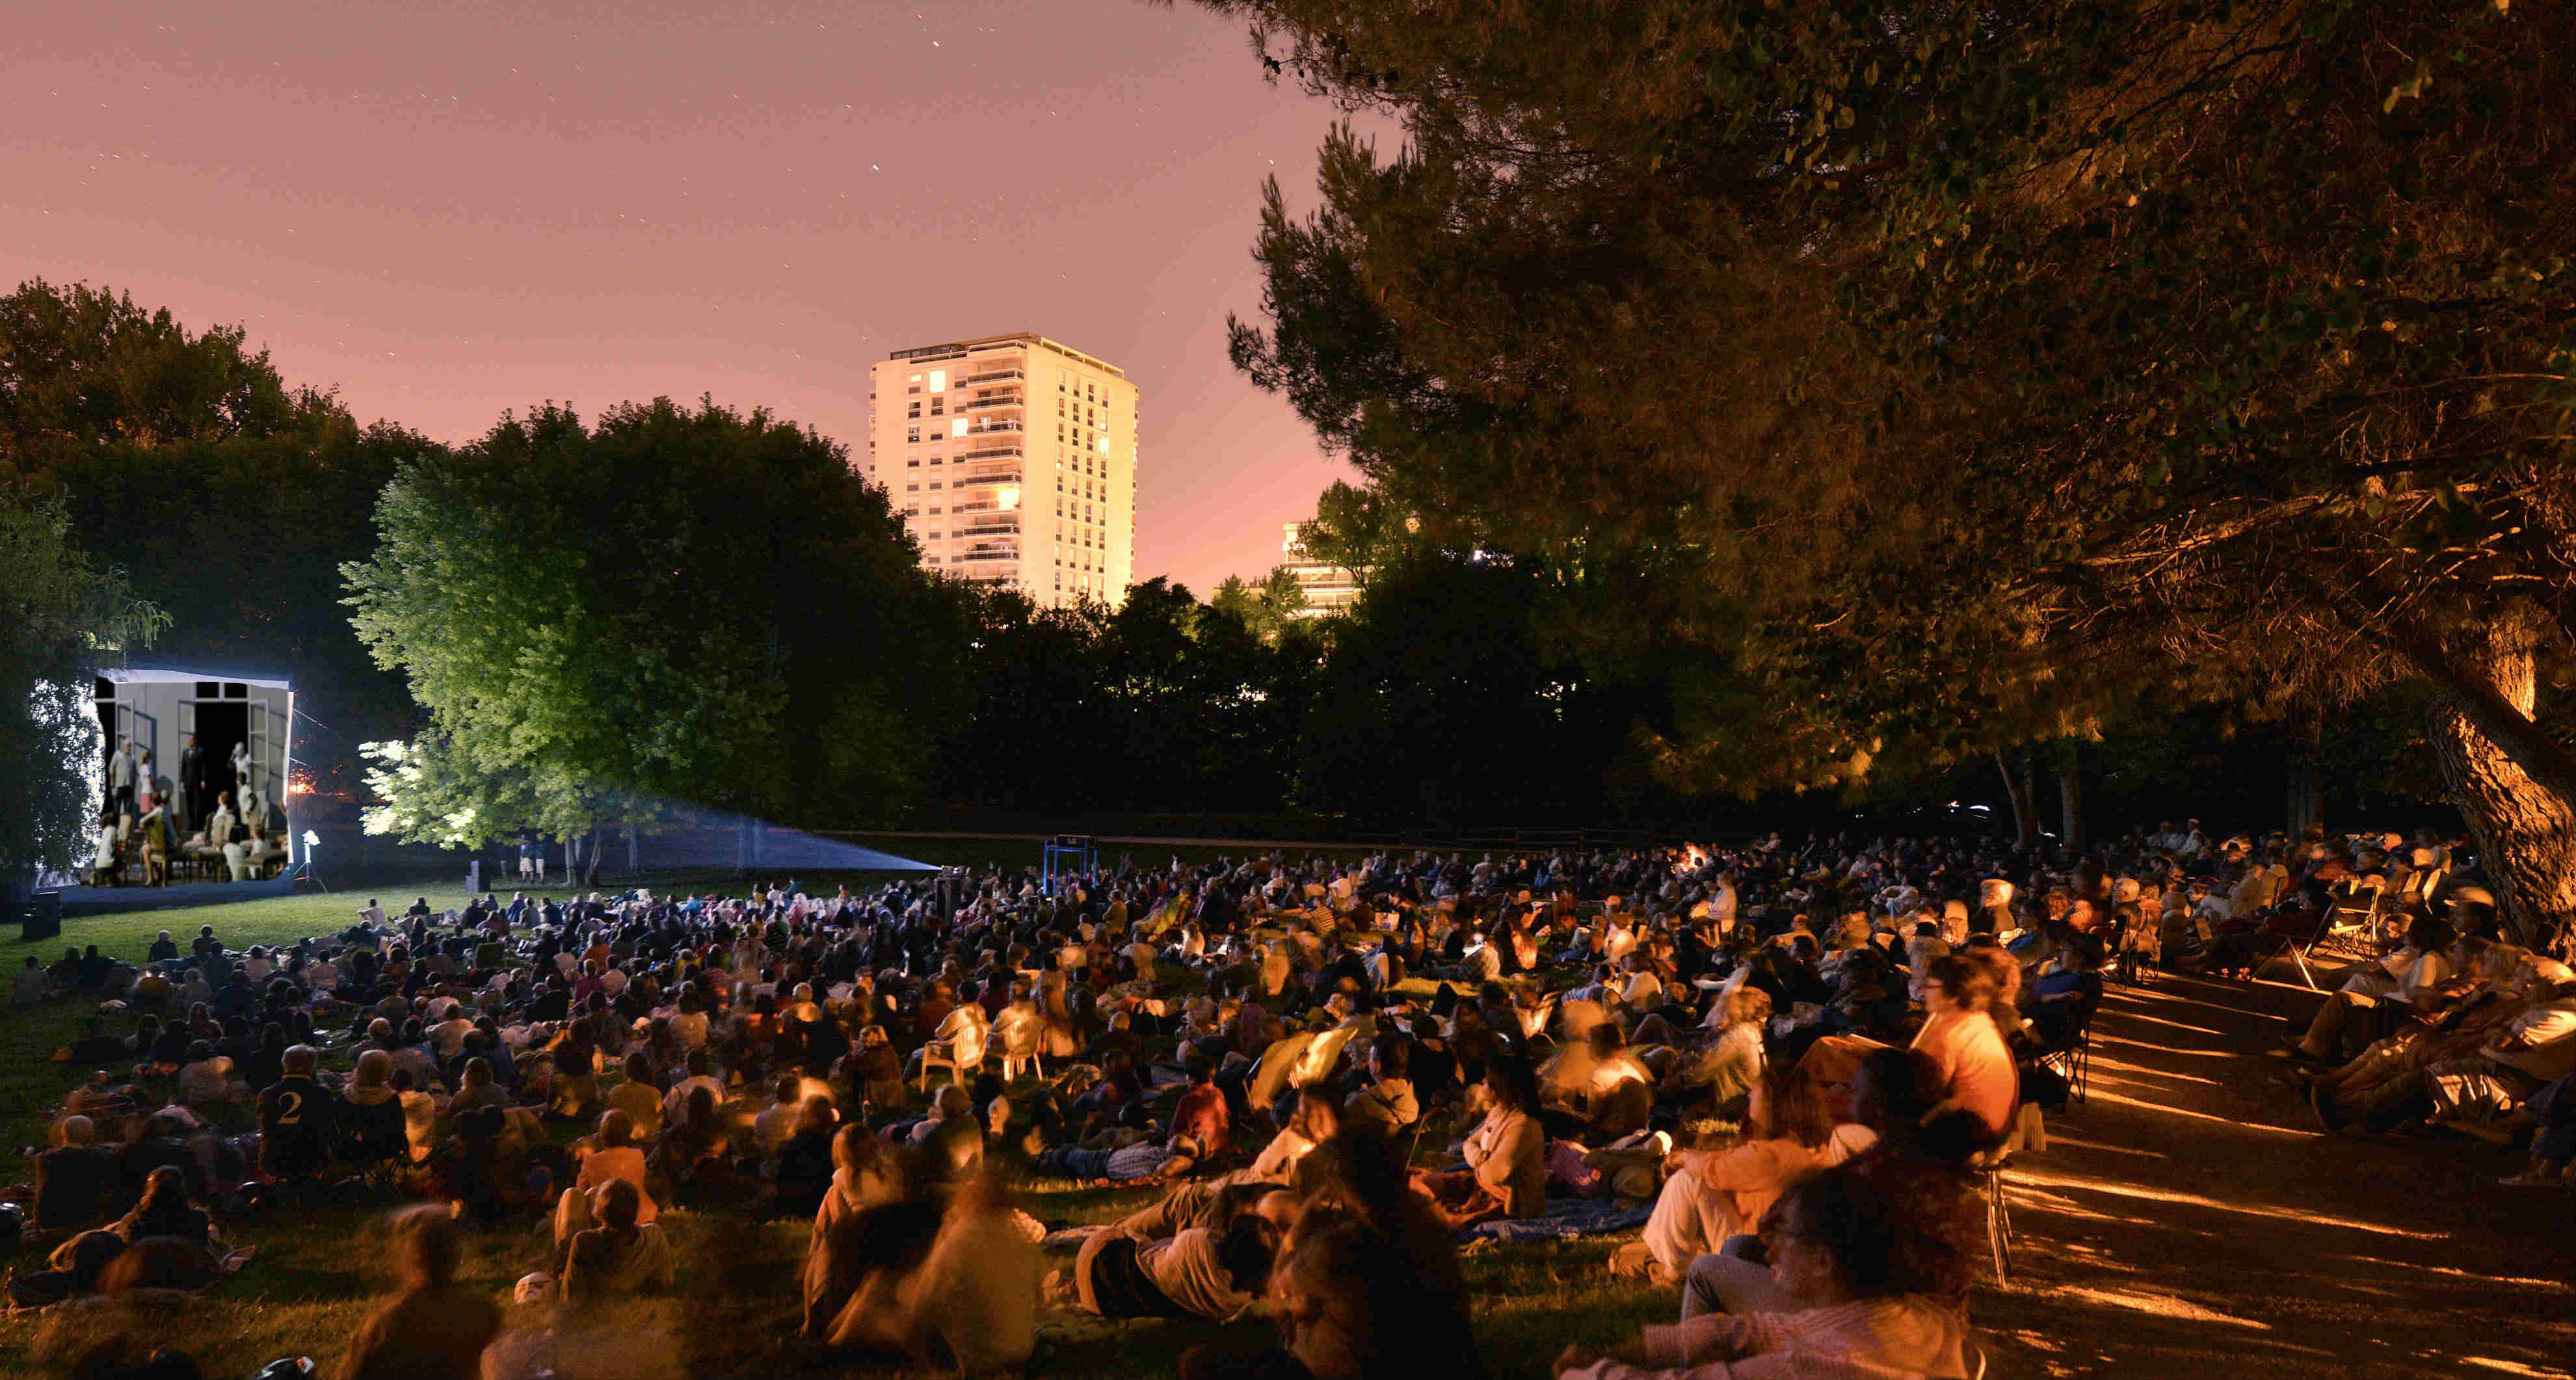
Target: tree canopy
[(1963, 375), (676, 605), (83, 366), (62, 620), (228, 498)]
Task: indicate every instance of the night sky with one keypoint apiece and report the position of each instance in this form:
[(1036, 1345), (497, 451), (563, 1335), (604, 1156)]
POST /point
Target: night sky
[(445, 210)]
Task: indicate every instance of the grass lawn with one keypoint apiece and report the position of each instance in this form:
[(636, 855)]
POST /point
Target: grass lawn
[(315, 1275)]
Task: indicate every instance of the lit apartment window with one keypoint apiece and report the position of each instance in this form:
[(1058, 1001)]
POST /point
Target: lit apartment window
[(938, 380)]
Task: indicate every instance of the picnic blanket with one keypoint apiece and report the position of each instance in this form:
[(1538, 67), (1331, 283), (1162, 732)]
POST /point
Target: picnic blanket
[(1564, 1220)]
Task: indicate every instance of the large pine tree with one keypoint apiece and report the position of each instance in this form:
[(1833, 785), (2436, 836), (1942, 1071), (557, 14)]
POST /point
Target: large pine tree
[(1958, 373)]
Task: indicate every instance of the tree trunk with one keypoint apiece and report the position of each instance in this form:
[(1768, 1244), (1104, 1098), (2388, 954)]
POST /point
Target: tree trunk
[(2017, 789), (2070, 801), (2306, 804), (632, 866), (590, 878), (2526, 832)]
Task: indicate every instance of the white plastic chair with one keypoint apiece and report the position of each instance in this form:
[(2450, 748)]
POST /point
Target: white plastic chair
[(961, 1053), (1019, 1041)]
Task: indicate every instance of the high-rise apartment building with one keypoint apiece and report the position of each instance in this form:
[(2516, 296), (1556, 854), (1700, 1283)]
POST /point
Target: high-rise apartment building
[(1013, 461), (1328, 588)]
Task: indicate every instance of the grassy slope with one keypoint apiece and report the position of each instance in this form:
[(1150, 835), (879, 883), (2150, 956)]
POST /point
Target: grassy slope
[(313, 1279)]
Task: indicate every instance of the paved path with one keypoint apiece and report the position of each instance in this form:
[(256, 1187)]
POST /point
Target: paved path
[(2191, 1219)]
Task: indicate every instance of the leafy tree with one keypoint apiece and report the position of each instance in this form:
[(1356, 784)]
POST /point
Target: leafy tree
[(241, 540), (1961, 376), (83, 366), (1440, 698), (1162, 703), (228, 498), (675, 606), (1265, 609), (61, 620)]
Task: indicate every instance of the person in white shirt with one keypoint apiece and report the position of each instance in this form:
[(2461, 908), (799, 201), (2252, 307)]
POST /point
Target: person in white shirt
[(103, 841), (1644, 988), (2537, 1048), (2409, 981), (775, 1123), (700, 1076), (1721, 906)]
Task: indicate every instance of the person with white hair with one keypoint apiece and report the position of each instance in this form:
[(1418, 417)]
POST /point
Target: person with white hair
[(1994, 907)]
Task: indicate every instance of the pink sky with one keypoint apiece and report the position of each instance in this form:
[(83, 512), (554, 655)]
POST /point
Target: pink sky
[(449, 209)]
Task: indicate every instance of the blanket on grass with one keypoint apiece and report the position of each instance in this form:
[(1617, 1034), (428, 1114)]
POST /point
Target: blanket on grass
[(1564, 1220)]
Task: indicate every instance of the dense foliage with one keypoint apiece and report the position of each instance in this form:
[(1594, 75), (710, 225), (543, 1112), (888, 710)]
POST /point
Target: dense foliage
[(674, 605), (227, 498), (61, 621), (1965, 376)]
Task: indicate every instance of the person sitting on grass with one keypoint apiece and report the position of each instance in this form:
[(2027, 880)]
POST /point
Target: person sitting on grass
[(865, 1175), (205, 1081), (620, 1255), (950, 1134), (1506, 1173), (609, 1157), (431, 1326), (298, 1120), (165, 1211), (694, 1151), (804, 1163), (1387, 1106), (74, 1178), (638, 1097), (1865, 1266), (1353, 1303), (372, 1126), (1713, 1196)]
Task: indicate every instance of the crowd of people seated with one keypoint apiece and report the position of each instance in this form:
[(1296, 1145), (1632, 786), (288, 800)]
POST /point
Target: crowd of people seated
[(1323, 1071)]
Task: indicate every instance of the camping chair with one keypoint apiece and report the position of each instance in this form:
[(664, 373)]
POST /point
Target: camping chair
[(2072, 1059), (2348, 930), (1987, 1169), (1533, 1019)]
